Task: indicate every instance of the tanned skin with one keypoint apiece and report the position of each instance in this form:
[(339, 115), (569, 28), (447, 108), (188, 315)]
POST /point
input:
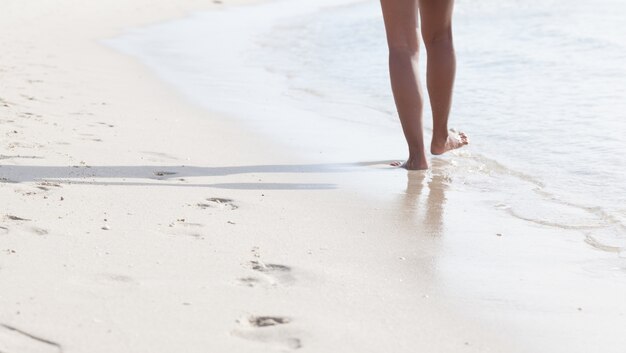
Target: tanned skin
[(403, 37)]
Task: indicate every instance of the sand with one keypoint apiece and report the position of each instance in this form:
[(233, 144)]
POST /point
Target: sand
[(133, 221)]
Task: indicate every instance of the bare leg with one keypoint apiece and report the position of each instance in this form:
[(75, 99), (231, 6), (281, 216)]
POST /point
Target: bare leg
[(436, 24), (403, 40)]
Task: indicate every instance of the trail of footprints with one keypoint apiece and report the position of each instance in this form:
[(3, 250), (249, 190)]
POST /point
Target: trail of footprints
[(272, 331)]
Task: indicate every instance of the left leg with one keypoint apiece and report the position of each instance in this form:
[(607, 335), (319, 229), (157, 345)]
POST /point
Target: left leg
[(402, 38)]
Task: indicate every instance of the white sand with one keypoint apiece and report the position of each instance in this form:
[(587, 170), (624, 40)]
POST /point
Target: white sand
[(102, 250)]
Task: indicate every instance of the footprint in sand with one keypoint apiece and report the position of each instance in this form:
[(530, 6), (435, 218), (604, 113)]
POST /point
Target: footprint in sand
[(13, 339), (19, 220), (38, 231), (32, 229), (181, 226), (218, 202), (46, 185), (16, 218), (272, 331), (250, 281), (271, 274)]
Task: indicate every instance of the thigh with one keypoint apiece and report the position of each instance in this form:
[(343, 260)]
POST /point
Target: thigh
[(436, 18), (400, 23)]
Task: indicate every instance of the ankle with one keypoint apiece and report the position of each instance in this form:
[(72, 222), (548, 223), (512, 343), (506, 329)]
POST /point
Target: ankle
[(417, 152), (439, 140), (417, 156), (416, 163)]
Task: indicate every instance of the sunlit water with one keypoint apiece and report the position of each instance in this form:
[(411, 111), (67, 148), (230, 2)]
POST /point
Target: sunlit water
[(540, 89)]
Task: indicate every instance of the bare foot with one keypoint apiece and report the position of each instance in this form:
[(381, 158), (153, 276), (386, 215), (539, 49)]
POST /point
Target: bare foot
[(454, 140), (412, 164)]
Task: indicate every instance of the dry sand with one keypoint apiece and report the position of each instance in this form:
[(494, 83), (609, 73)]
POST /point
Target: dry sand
[(133, 221)]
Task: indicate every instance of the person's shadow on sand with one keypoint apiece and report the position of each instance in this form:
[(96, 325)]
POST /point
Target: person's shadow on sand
[(169, 175)]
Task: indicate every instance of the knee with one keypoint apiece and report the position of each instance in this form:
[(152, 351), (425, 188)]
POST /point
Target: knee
[(439, 38), (402, 50)]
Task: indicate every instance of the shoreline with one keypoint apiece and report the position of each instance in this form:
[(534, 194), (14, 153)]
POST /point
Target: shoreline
[(104, 250)]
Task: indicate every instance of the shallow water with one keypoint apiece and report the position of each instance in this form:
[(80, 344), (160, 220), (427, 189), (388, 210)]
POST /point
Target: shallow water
[(540, 88)]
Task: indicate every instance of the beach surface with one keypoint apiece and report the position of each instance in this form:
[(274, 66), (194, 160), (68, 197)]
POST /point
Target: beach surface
[(133, 219)]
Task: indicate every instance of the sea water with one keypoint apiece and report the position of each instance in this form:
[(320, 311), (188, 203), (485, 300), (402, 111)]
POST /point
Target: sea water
[(540, 90)]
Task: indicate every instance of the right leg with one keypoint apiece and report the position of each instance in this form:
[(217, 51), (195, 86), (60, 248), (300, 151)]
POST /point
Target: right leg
[(402, 38)]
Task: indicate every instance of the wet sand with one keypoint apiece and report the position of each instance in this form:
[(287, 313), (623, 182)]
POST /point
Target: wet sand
[(134, 221)]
